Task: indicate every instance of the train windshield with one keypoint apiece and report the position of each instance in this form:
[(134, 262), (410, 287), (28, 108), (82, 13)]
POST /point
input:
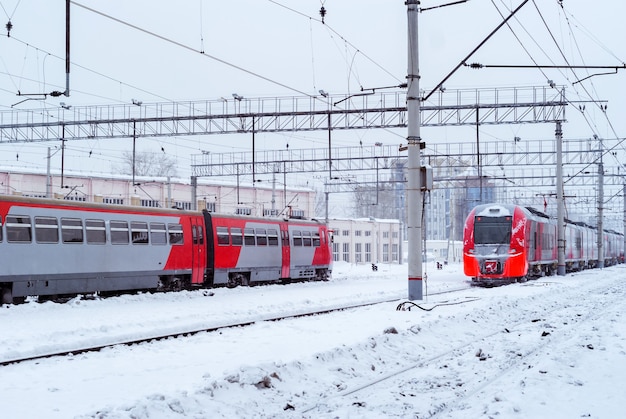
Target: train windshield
[(492, 230)]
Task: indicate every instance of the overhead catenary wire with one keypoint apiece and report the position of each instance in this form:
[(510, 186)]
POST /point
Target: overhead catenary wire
[(188, 48)]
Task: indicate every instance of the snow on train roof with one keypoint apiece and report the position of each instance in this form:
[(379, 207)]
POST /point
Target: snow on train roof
[(494, 211)]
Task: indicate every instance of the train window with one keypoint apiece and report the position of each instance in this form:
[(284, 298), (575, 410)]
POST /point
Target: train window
[(95, 232), (297, 238), (176, 233), (236, 236), (272, 237), (306, 238), (222, 236), (0, 229), (200, 234), (158, 235), (72, 230), (261, 237), (139, 232), (285, 236), (248, 236), (46, 230), (119, 232), (492, 230), (18, 229), (194, 234), (316, 239)]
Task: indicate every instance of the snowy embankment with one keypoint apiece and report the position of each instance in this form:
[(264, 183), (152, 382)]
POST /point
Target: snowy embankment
[(551, 348)]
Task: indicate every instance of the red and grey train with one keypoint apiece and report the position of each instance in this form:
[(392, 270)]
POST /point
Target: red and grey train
[(54, 247), (508, 243)]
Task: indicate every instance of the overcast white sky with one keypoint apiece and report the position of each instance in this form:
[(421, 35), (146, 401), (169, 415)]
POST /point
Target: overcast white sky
[(361, 44)]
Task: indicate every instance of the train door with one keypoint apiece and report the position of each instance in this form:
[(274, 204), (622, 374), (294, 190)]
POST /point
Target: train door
[(286, 251), (198, 254)]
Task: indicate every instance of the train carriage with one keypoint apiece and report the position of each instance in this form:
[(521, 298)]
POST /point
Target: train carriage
[(508, 243), (54, 247)]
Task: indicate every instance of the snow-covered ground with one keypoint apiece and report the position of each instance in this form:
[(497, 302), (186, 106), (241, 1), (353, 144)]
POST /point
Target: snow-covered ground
[(553, 348)]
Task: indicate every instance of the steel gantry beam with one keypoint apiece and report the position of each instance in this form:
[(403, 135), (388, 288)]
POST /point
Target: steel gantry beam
[(525, 163), (280, 114)]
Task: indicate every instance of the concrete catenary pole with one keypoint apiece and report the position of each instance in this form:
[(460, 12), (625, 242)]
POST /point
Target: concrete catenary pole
[(560, 204), (414, 198)]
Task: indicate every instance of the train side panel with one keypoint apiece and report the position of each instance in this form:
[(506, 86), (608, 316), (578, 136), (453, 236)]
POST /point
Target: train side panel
[(51, 249)]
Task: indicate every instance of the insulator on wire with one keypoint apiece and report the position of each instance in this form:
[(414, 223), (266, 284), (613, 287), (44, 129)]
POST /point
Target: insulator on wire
[(322, 13), (9, 26)]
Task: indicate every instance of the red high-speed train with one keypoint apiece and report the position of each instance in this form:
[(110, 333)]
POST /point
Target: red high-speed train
[(509, 243), (55, 248)]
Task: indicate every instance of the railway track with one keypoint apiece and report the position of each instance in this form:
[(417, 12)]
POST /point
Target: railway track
[(208, 329), (509, 344)]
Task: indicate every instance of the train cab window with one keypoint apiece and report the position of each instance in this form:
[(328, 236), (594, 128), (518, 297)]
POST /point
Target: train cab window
[(18, 229), (158, 234), (236, 236), (261, 237), (297, 238), (248, 237), (316, 239), (200, 234), (492, 230), (306, 238), (139, 232), (95, 232), (272, 237), (175, 233), (222, 236), (46, 230), (119, 232)]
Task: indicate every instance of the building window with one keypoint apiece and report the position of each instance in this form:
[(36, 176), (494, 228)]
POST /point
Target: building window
[(385, 234), (336, 252), (150, 203), (357, 233), (243, 211), (357, 253), (113, 201), (270, 213), (386, 252), (346, 252), (210, 206), (183, 205), (368, 252), (345, 233), (368, 233), (394, 252)]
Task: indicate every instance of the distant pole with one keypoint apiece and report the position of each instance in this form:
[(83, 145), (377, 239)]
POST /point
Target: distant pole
[(601, 209), (414, 198), (624, 195), (560, 204), (48, 177)]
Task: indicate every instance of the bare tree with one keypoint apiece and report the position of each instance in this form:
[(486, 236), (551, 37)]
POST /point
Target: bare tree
[(148, 164)]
